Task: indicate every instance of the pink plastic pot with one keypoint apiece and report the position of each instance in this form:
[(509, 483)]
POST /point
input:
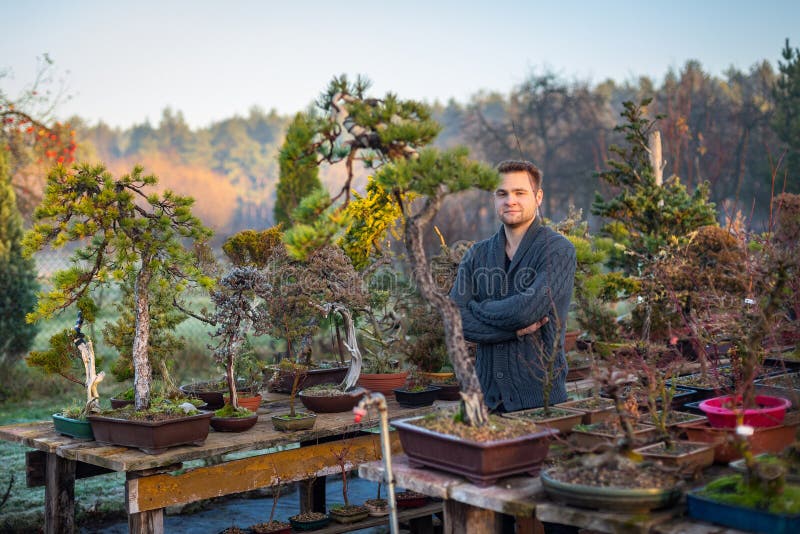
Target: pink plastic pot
[(722, 411)]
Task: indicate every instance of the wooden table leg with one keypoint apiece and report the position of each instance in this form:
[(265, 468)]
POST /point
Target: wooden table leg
[(462, 518), (59, 495), (147, 522), (528, 525), (421, 525), (150, 522), (312, 495)]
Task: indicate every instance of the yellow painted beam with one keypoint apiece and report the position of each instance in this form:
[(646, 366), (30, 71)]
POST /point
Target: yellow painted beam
[(162, 490)]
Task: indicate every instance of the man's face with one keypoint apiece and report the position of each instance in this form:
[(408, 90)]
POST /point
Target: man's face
[(515, 200)]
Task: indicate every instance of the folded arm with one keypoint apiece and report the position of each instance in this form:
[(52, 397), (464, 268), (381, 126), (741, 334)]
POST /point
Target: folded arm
[(533, 302)]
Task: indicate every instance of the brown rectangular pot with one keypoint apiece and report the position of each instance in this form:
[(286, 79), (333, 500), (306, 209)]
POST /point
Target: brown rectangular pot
[(700, 457), (152, 437), (591, 416), (481, 463), (764, 439), (562, 422)]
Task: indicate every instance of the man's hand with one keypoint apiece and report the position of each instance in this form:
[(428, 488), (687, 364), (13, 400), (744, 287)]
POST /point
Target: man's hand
[(531, 328)]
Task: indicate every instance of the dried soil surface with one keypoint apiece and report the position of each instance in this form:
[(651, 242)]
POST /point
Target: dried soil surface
[(497, 428), (614, 471)]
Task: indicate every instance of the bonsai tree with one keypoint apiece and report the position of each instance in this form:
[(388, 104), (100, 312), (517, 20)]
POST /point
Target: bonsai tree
[(391, 134), (272, 525), (61, 357), (126, 229)]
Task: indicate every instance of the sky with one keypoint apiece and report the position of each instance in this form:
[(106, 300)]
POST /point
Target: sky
[(124, 62)]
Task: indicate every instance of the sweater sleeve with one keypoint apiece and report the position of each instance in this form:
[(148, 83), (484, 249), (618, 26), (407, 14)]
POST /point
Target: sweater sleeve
[(535, 301), (462, 294)]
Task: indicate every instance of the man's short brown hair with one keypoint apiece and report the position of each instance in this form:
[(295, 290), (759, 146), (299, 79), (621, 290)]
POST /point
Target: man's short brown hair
[(521, 165)]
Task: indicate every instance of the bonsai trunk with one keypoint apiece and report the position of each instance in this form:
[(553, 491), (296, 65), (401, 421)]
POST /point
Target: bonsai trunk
[(351, 344), (293, 394), (92, 377), (231, 381), (142, 373), (473, 405)]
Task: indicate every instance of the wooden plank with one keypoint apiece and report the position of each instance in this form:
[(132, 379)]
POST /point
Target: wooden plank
[(150, 522), (426, 481), (515, 496), (460, 518), (40, 435), (59, 496), (36, 466), (616, 522), (159, 491), (260, 437)]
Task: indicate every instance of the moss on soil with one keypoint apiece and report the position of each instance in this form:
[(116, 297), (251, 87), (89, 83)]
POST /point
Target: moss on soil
[(228, 411), (733, 490)]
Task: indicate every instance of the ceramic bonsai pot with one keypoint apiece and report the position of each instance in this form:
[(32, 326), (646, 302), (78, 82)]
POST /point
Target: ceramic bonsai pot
[(769, 412), (251, 402), (448, 392), (571, 339), (384, 383), (377, 507), (349, 514), (605, 498), (738, 517), (482, 463), (415, 399), (282, 383), (213, 398), (332, 404), (764, 439), (784, 385), (434, 378), (152, 437), (589, 438), (234, 424), (561, 419), (309, 521), (688, 456), (276, 527), (410, 499), (74, 428), (303, 421), (595, 410)]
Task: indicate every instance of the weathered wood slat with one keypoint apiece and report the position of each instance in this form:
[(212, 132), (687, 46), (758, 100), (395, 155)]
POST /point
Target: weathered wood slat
[(59, 496), (600, 521), (460, 518), (36, 467), (42, 436), (514, 495), (160, 491)]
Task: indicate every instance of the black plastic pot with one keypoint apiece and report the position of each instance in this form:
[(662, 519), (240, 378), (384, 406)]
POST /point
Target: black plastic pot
[(413, 399)]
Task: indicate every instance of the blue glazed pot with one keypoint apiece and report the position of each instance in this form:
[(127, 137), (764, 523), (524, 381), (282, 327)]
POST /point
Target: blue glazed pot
[(740, 518)]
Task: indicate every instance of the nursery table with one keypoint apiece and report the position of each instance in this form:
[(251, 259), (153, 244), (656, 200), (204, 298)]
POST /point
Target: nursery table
[(473, 509), (154, 482)]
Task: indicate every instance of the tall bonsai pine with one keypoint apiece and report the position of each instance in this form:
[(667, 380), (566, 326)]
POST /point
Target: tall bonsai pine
[(299, 170), (17, 276), (391, 134), (126, 229)]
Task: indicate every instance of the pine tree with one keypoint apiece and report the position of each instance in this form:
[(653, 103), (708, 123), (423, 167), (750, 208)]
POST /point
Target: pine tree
[(18, 284), (646, 216), (786, 121), (299, 171), (127, 231)]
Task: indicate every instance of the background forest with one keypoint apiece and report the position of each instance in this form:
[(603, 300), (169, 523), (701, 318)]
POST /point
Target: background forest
[(718, 129)]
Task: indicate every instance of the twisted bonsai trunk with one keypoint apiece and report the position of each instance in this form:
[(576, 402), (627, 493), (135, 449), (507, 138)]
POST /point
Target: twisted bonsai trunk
[(143, 374), (473, 406)]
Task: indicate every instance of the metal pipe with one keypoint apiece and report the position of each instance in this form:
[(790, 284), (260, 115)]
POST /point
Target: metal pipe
[(379, 401)]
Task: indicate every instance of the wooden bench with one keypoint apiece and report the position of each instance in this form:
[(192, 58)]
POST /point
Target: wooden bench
[(154, 482)]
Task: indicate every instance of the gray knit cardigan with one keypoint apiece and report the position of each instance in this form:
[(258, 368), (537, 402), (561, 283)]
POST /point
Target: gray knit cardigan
[(495, 303)]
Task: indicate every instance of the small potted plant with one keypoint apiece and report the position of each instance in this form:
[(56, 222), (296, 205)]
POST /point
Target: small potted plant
[(416, 392), (66, 347), (309, 520), (348, 513), (294, 420), (271, 526)]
